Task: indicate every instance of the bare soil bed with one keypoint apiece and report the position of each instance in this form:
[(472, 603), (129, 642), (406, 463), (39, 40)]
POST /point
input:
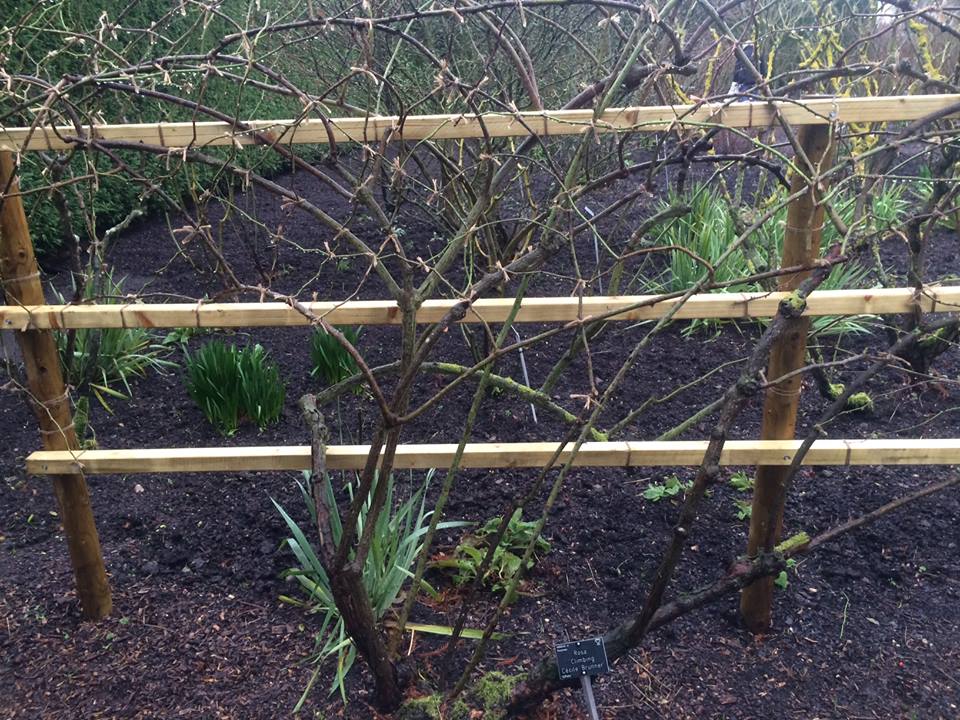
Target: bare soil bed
[(867, 628)]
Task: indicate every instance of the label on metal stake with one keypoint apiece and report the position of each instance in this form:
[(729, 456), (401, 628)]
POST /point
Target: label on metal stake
[(584, 657)]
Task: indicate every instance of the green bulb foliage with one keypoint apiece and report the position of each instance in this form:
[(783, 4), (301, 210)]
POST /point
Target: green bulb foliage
[(332, 363), (232, 384)]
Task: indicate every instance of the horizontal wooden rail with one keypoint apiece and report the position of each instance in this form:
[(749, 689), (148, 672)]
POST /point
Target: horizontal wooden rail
[(814, 111), (495, 455), (546, 309)]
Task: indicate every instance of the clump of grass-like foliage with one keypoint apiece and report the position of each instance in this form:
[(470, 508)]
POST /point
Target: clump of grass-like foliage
[(103, 361), (395, 545), (705, 235), (231, 384)]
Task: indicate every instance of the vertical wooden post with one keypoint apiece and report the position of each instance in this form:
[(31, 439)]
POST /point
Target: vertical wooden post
[(20, 276), (801, 246)]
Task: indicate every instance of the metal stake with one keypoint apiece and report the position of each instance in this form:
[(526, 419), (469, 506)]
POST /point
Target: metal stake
[(526, 376), (588, 697), (596, 250)]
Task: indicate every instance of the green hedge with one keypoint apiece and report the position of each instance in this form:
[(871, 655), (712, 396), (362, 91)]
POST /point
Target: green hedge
[(43, 47)]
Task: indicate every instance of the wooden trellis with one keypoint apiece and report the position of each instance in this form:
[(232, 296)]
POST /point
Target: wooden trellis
[(27, 314)]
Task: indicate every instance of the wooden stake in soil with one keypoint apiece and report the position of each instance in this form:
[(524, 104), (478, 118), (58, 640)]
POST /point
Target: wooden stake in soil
[(21, 283), (801, 244)]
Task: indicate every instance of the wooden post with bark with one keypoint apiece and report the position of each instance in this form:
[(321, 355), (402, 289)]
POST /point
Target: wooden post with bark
[(49, 398), (801, 246)]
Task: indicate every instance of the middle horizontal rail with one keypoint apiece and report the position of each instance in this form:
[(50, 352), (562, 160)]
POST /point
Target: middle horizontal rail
[(492, 310), (888, 451)]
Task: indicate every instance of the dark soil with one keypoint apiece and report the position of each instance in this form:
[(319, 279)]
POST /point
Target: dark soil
[(869, 627)]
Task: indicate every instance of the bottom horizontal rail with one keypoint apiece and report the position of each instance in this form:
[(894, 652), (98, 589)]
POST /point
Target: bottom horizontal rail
[(495, 455)]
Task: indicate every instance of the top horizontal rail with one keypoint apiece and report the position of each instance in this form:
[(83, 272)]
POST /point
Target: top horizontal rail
[(813, 111), (876, 301)]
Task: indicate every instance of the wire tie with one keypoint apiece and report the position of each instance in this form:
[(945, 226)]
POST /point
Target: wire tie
[(805, 229), (53, 402), (28, 276), (59, 430)]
